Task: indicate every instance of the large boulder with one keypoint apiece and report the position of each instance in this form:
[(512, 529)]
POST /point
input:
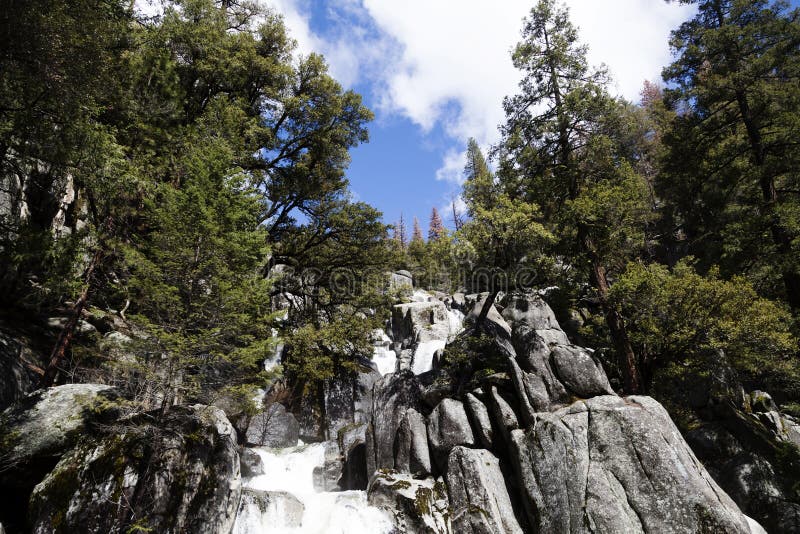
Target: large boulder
[(274, 427), (418, 506), (478, 496), (393, 395), (616, 465), (579, 371), (480, 420), (41, 427), (411, 446), (175, 473), (448, 426)]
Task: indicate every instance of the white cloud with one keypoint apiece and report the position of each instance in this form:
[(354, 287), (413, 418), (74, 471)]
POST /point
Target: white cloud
[(452, 169), (447, 63)]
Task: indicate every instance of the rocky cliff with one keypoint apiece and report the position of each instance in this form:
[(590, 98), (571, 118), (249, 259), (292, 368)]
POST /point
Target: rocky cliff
[(534, 440)]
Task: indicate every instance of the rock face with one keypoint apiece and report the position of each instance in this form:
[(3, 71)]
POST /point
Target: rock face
[(17, 380), (478, 496), (560, 451), (617, 465), (40, 428), (179, 476), (274, 427), (418, 506), (257, 506), (393, 395), (448, 427)]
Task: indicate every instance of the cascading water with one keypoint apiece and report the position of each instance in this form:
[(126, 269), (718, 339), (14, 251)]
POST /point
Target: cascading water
[(289, 503)]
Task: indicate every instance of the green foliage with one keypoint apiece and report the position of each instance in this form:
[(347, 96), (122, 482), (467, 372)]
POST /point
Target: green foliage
[(318, 352), (503, 233), (730, 180), (679, 317)]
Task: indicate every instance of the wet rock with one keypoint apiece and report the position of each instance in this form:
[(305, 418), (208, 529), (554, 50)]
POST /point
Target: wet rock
[(326, 476), (176, 474), (617, 465), (274, 427), (478, 496), (353, 446), (258, 508), (448, 427), (417, 505), (251, 463), (411, 446)]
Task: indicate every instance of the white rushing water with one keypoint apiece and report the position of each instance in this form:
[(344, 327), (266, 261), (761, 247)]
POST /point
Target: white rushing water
[(384, 357), (291, 471), (423, 356)]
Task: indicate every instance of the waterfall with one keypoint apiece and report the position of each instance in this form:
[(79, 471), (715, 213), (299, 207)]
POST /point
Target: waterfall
[(283, 500)]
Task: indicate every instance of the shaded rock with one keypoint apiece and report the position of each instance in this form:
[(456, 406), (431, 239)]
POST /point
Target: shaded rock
[(411, 446), (326, 476), (417, 506), (761, 401), (251, 463), (260, 509), (41, 427), (17, 379), (494, 323), (479, 417), (392, 396), (478, 496), (274, 427), (353, 446), (616, 465), (435, 386), (179, 474), (448, 426), (338, 398), (579, 371), (504, 416)]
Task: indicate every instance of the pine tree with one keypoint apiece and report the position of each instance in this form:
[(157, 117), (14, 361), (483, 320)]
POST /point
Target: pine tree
[(731, 175), (562, 150), (400, 231), (416, 236), (436, 228)]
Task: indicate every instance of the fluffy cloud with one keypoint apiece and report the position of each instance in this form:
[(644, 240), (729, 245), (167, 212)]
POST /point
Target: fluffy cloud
[(442, 63)]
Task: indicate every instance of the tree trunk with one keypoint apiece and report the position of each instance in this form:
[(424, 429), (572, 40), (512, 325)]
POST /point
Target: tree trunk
[(67, 333), (487, 305), (632, 378)]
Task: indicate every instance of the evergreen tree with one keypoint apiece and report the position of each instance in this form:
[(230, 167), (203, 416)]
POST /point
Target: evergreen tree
[(401, 231), (416, 236), (563, 148), (436, 227), (731, 172), (505, 238)]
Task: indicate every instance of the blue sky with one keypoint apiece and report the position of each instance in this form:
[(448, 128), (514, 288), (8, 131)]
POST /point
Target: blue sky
[(435, 72)]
